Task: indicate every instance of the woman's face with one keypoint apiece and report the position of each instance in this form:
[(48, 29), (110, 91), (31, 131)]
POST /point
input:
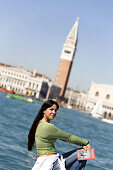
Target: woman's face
[(50, 113)]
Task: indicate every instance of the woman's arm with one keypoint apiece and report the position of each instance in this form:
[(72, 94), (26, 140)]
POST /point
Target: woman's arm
[(56, 133)]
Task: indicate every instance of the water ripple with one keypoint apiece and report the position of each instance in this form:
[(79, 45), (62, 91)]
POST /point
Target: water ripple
[(16, 118)]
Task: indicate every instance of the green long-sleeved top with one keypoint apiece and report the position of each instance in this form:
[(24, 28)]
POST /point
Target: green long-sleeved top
[(47, 134)]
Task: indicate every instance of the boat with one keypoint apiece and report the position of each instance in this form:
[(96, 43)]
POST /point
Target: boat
[(69, 107), (97, 110), (22, 98), (107, 121), (6, 90)]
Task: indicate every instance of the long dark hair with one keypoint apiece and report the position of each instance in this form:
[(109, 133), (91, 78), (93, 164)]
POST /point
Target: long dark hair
[(31, 135)]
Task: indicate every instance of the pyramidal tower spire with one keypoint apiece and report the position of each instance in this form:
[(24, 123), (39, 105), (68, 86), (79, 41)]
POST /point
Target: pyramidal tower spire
[(66, 59)]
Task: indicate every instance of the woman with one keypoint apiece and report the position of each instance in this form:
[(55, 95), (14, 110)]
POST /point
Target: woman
[(44, 134)]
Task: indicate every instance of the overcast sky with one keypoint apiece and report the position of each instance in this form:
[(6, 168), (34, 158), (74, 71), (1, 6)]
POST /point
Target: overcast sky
[(32, 35)]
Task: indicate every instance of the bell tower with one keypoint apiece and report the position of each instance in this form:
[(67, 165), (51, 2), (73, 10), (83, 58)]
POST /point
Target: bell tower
[(66, 58)]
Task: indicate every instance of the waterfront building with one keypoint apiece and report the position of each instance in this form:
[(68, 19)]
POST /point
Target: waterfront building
[(66, 59), (103, 93), (86, 101), (82, 101), (26, 82), (76, 99), (71, 97)]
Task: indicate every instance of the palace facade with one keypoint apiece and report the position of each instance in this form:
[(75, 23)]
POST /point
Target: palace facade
[(86, 101), (103, 93)]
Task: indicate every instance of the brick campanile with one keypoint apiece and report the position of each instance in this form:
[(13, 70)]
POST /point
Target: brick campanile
[(66, 59)]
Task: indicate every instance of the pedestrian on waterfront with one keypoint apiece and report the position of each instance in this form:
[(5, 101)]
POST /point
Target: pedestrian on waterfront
[(44, 134)]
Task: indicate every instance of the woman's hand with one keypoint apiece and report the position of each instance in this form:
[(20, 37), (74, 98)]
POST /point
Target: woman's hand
[(88, 146)]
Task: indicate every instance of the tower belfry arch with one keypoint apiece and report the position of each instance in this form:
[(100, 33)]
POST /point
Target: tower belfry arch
[(66, 59)]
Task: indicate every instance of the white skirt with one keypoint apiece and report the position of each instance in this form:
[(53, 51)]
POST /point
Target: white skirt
[(47, 163)]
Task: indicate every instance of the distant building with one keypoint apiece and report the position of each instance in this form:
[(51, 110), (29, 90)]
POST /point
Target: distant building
[(76, 99), (26, 82), (66, 59), (86, 101), (103, 93), (71, 97)]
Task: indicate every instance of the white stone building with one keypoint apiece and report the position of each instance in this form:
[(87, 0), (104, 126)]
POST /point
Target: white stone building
[(103, 93), (26, 82), (86, 101), (76, 99)]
